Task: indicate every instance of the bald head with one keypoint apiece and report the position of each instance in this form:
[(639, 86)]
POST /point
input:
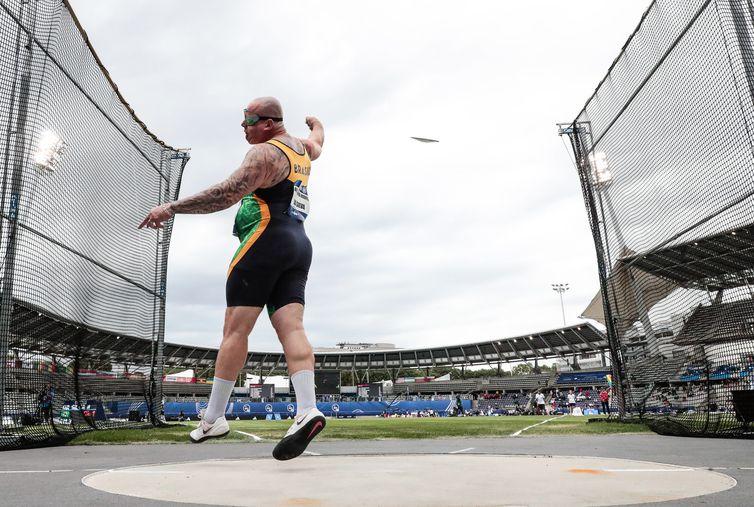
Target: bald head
[(266, 106), (267, 126)]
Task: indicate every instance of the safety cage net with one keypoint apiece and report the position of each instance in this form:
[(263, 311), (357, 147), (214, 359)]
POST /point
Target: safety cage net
[(665, 154), (82, 290)]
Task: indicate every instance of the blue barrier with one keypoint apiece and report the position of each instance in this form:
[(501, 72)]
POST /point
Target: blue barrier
[(120, 409), (249, 410)]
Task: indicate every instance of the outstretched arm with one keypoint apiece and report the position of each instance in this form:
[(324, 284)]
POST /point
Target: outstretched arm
[(252, 174), (247, 178), (316, 138)]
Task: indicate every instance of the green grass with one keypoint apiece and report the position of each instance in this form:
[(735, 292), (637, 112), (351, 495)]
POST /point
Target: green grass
[(373, 428), (577, 425)]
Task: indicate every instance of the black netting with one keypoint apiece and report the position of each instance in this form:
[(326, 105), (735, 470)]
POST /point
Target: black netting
[(665, 152), (82, 294)]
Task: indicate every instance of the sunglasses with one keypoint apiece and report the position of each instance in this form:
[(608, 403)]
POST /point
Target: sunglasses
[(251, 119)]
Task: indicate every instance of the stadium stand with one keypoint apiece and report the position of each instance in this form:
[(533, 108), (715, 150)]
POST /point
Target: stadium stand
[(656, 369), (718, 323), (183, 389), (509, 403), (520, 383), (592, 378), (525, 382), (552, 344)]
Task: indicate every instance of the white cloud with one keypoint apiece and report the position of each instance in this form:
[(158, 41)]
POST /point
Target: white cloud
[(416, 244)]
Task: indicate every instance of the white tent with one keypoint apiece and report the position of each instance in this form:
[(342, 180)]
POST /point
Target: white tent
[(631, 292), (281, 382), (183, 376)]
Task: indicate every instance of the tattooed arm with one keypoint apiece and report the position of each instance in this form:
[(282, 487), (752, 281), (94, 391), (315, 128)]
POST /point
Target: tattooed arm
[(251, 175), (255, 172)]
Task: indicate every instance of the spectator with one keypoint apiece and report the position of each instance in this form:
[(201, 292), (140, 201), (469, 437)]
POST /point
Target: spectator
[(540, 399), (571, 401), (45, 404), (605, 399)]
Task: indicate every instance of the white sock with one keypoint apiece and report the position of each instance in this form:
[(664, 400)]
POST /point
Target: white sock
[(218, 399), (303, 385)]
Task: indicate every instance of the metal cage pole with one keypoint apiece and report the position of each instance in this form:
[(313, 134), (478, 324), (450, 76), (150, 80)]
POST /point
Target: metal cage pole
[(582, 164), (18, 162)]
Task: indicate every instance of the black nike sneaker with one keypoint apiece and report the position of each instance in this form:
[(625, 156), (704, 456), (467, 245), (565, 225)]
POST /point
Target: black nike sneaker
[(303, 430)]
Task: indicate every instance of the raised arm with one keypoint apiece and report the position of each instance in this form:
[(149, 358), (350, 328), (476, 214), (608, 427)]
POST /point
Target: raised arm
[(252, 174), (316, 138)]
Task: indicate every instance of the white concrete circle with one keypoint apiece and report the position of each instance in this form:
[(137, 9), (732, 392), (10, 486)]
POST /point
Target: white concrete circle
[(416, 480)]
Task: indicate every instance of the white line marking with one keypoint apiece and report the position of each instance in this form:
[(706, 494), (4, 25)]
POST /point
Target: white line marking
[(746, 468), (92, 469), (462, 450), (33, 471), (534, 425), (310, 453), (717, 468), (256, 438), (647, 469), (134, 471)]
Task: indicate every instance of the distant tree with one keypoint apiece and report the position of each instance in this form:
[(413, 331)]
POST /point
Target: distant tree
[(486, 372), (522, 369), (378, 375)]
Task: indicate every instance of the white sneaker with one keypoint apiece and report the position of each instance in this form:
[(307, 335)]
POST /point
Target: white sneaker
[(303, 430), (205, 430)]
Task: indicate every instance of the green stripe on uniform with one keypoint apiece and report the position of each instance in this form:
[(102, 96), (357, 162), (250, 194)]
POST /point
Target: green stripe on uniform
[(248, 219)]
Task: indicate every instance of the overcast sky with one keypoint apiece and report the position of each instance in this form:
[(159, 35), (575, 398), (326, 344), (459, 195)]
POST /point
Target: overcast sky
[(415, 244)]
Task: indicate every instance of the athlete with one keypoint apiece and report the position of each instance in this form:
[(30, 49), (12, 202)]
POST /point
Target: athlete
[(269, 268)]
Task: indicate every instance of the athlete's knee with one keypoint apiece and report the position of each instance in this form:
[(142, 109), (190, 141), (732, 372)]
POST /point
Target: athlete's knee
[(231, 337), (297, 348), (290, 330), (306, 349), (235, 336)]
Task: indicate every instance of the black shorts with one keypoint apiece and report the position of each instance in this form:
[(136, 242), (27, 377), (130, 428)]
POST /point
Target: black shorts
[(273, 271)]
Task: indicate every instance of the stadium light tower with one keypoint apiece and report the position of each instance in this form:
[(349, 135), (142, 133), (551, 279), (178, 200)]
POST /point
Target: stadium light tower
[(560, 288)]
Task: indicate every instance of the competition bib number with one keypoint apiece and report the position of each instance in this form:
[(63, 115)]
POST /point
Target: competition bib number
[(299, 207)]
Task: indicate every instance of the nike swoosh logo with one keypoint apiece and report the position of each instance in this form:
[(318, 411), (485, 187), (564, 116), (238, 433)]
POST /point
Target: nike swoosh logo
[(318, 425), (298, 422)]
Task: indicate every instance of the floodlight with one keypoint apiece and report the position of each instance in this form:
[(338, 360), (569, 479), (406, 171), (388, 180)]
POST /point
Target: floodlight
[(600, 168), (49, 150)]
